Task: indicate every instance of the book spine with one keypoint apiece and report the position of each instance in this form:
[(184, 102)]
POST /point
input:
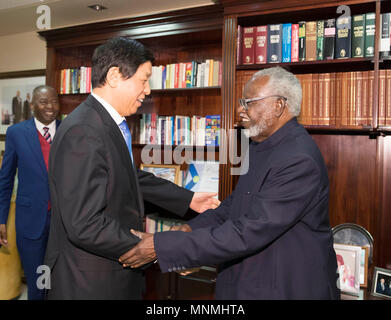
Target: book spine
[(286, 42), (295, 43), (343, 38), (274, 44), (248, 47), (329, 39), (302, 35), (239, 41), (358, 35), (370, 27), (385, 36), (310, 41), (261, 45), (319, 39)]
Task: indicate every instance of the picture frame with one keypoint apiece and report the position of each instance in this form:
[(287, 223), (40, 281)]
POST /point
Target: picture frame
[(170, 172), (364, 263), (349, 260), (16, 95), (381, 275)]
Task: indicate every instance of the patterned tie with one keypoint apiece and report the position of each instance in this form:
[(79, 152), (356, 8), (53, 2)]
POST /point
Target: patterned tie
[(128, 137), (47, 135)]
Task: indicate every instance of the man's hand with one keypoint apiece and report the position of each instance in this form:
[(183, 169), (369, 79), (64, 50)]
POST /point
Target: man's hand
[(182, 227), (3, 235), (142, 253), (203, 201)]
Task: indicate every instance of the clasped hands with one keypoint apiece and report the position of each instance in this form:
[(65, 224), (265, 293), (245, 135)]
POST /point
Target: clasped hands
[(144, 251)]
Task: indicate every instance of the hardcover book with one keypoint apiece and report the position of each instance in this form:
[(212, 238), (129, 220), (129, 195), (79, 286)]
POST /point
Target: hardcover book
[(274, 43), (385, 35), (358, 35), (286, 42), (295, 43), (310, 41), (302, 41), (261, 44), (248, 46), (329, 39), (370, 27), (343, 38), (319, 39)]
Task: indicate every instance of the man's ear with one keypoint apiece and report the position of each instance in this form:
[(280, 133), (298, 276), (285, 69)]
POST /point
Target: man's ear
[(113, 77), (279, 107)]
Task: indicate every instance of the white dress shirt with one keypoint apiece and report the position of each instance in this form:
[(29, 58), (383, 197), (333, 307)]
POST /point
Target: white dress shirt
[(52, 127)]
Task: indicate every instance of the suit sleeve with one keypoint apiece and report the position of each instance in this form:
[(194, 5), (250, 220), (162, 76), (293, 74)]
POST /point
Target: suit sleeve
[(7, 176), (79, 179), (164, 193), (286, 195)]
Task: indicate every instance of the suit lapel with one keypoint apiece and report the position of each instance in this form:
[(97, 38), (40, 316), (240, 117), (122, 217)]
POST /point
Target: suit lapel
[(31, 136), (119, 142)]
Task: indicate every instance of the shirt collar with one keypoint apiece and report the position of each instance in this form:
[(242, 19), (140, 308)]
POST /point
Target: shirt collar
[(109, 108), (39, 125)]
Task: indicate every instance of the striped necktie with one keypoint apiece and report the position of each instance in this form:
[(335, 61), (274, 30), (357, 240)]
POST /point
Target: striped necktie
[(47, 135), (128, 137)]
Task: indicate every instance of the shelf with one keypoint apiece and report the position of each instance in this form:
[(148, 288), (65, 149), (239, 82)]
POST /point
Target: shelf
[(162, 146), (173, 90), (321, 65)]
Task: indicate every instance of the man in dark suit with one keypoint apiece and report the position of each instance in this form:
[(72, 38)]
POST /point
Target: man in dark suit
[(27, 107), (17, 107), (27, 150), (271, 237), (97, 192)]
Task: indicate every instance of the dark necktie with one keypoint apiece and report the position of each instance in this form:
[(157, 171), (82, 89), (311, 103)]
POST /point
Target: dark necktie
[(47, 135), (128, 137)]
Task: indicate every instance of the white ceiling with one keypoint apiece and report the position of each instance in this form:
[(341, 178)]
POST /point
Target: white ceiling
[(17, 16)]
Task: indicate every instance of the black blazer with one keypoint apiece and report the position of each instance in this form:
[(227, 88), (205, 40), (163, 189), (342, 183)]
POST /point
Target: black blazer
[(272, 236), (96, 198)]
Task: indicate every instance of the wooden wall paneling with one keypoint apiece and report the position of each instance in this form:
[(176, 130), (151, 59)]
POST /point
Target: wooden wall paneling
[(228, 103)]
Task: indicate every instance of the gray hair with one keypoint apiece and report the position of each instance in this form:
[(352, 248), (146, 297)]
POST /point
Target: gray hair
[(283, 83)]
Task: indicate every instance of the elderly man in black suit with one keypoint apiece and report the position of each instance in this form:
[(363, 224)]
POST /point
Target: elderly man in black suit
[(271, 237)]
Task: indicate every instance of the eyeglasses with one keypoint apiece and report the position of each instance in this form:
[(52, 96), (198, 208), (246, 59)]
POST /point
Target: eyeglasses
[(244, 102)]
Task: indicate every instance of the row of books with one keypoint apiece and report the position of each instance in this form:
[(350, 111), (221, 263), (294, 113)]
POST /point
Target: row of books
[(187, 75), (155, 223), (180, 130), (77, 80), (344, 37), (338, 99)]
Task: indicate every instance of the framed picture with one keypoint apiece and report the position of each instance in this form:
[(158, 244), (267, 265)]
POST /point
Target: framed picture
[(15, 96), (165, 171), (348, 259), (381, 283), (364, 267)]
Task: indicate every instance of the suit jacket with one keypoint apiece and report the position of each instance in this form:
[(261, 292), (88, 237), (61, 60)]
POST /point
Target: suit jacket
[(271, 237), (23, 153), (97, 197)]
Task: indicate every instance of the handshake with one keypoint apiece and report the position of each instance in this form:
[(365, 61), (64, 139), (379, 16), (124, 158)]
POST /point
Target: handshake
[(144, 252)]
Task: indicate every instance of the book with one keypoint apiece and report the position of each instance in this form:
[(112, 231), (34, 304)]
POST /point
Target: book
[(295, 43), (274, 43), (239, 41), (212, 130), (319, 39), (310, 41), (286, 42), (370, 27), (302, 41), (261, 44), (384, 47), (343, 37), (329, 39), (248, 46), (358, 35)]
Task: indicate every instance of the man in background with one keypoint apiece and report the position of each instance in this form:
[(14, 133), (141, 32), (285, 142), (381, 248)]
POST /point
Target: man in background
[(97, 191), (271, 237), (27, 107), (27, 149), (17, 107)]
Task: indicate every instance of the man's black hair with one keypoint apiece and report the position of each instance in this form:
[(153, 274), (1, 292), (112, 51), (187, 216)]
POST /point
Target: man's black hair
[(124, 53)]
